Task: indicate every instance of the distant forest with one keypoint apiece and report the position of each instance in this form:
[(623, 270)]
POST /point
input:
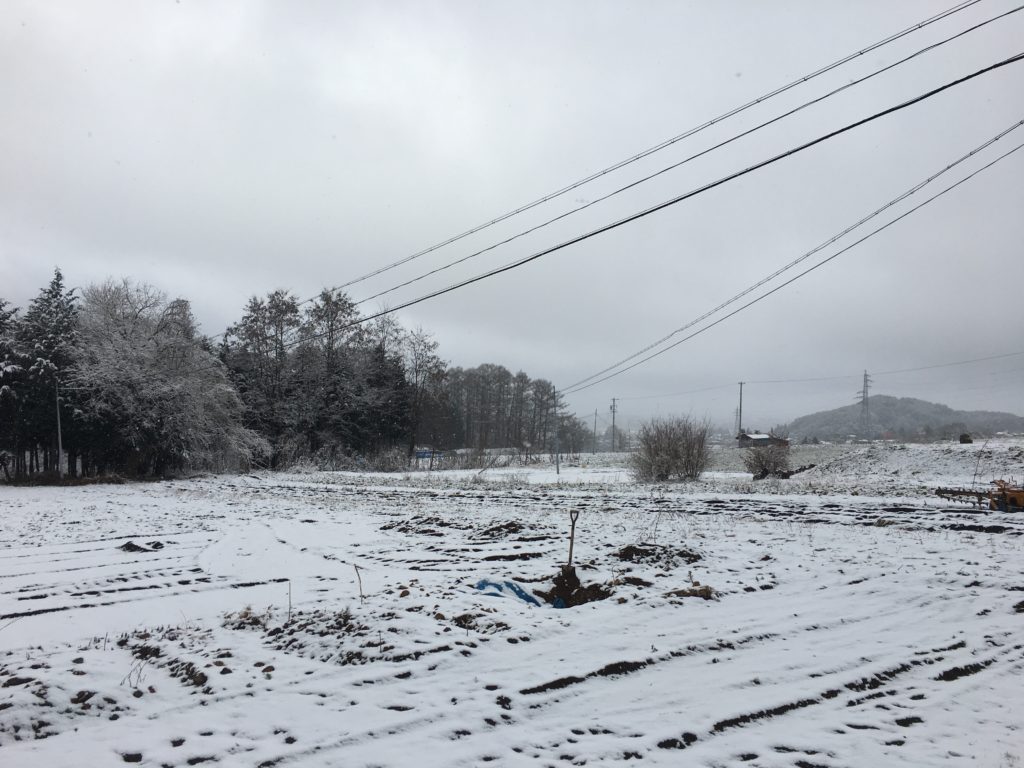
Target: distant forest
[(140, 392)]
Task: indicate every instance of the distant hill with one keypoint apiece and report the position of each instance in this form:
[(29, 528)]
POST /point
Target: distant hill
[(903, 417)]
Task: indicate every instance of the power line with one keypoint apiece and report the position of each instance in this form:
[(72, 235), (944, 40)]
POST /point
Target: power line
[(569, 390), (678, 199), (993, 387), (730, 385), (803, 381), (899, 198), (684, 161), (948, 365), (663, 144), (645, 212), (888, 373), (837, 377), (797, 277)]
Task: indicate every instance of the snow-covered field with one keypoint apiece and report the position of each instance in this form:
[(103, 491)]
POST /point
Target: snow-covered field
[(855, 619)]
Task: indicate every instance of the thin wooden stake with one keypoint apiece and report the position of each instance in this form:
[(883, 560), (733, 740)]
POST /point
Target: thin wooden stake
[(360, 579), (574, 515)]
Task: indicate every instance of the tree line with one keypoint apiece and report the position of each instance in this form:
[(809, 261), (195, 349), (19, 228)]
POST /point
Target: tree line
[(139, 391)]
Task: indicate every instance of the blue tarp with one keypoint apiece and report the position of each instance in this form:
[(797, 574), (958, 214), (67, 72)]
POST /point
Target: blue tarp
[(506, 589)]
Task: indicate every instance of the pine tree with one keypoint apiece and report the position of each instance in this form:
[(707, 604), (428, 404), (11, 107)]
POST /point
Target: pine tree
[(43, 341), (10, 376)]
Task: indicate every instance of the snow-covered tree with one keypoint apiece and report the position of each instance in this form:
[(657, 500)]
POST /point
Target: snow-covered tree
[(35, 354), (10, 372), (257, 352), (151, 394)]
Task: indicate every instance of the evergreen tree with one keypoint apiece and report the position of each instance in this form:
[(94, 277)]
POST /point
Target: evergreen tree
[(43, 350), (10, 376)]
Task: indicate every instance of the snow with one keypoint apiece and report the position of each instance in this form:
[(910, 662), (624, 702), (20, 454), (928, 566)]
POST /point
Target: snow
[(856, 620)]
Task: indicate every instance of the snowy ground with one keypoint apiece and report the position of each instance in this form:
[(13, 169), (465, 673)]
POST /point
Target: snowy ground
[(856, 620)]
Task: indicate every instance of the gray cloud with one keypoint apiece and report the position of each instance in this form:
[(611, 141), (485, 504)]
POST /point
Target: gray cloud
[(224, 150)]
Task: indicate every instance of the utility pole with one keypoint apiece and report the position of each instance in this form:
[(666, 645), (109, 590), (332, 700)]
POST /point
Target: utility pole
[(558, 469), (613, 409), (741, 410), (595, 431), (60, 444)]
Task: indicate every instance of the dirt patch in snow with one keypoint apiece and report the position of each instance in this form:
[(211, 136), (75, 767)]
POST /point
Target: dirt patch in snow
[(968, 669), (665, 557), (702, 591), (501, 530), (568, 591), (151, 546)]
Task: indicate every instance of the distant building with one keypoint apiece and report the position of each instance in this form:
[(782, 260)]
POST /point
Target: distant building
[(758, 440)]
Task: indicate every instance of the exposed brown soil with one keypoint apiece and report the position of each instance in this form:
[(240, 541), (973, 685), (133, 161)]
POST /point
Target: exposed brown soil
[(704, 592), (968, 669), (553, 685), (501, 530), (681, 743), (663, 556), (568, 591), (906, 722), (636, 581), (621, 668), (516, 556), (731, 722)]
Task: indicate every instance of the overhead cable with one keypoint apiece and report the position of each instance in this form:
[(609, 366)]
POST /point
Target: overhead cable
[(663, 144), (899, 198), (837, 377), (798, 276), (684, 161), (675, 200)]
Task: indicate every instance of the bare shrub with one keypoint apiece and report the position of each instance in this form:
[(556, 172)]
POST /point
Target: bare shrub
[(388, 460), (675, 447), (394, 459), (767, 461), (476, 459)]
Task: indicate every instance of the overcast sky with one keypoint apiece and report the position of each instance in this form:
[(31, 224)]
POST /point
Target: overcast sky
[(222, 150)]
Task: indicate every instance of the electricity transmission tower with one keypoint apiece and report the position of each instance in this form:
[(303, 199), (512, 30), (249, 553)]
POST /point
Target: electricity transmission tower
[(865, 412)]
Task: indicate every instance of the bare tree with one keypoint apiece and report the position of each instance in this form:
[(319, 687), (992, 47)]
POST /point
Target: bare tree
[(669, 448), (424, 371), (767, 461)]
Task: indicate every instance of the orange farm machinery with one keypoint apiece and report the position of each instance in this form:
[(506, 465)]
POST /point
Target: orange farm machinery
[(1004, 496)]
